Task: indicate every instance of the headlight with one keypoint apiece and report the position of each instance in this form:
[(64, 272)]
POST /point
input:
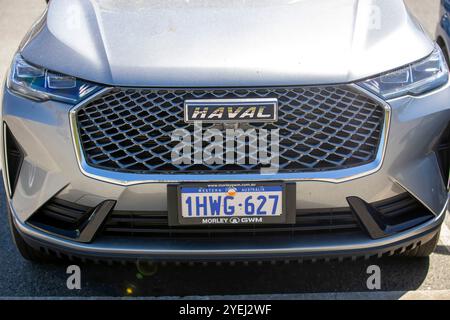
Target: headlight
[(415, 79), (40, 84)]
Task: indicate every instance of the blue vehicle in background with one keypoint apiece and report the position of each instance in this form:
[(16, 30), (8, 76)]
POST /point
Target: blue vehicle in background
[(443, 29)]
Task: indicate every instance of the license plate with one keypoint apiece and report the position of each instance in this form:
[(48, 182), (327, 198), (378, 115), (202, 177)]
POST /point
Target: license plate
[(232, 204)]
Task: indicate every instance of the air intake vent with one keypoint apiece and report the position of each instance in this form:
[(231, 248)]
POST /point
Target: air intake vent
[(155, 224), (71, 220), (13, 159), (402, 212), (61, 214), (443, 152)]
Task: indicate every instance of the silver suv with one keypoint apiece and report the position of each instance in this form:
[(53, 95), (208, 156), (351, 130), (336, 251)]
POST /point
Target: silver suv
[(226, 130)]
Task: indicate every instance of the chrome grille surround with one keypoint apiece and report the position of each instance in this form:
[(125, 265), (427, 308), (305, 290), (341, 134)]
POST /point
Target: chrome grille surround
[(360, 121)]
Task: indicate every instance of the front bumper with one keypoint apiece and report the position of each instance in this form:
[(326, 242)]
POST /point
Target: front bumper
[(51, 168), (300, 248)]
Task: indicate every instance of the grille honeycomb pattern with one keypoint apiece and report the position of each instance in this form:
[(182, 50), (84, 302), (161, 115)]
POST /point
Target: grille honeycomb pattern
[(320, 128)]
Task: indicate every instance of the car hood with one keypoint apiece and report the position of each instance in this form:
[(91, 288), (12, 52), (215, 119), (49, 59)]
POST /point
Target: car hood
[(172, 43)]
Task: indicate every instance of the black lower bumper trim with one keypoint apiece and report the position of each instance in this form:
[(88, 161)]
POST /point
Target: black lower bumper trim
[(375, 221), (379, 225), (326, 256)]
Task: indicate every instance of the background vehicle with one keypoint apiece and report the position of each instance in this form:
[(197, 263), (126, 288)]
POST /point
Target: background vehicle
[(443, 28)]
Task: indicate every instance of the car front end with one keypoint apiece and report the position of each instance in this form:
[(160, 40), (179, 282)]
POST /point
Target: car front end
[(351, 122)]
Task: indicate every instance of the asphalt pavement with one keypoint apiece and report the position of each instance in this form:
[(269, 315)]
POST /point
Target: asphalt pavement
[(400, 277)]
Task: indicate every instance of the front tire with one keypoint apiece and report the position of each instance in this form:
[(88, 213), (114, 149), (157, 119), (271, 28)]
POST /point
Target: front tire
[(27, 252), (426, 249), (443, 47)]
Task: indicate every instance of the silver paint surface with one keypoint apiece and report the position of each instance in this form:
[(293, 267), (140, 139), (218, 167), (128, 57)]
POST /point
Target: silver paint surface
[(226, 43)]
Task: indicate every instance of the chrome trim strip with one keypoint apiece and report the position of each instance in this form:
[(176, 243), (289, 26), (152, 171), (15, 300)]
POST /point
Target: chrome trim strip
[(332, 176), (115, 248)]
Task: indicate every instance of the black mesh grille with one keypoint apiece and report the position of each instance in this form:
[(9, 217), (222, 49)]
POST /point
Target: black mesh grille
[(320, 128), (155, 224)]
